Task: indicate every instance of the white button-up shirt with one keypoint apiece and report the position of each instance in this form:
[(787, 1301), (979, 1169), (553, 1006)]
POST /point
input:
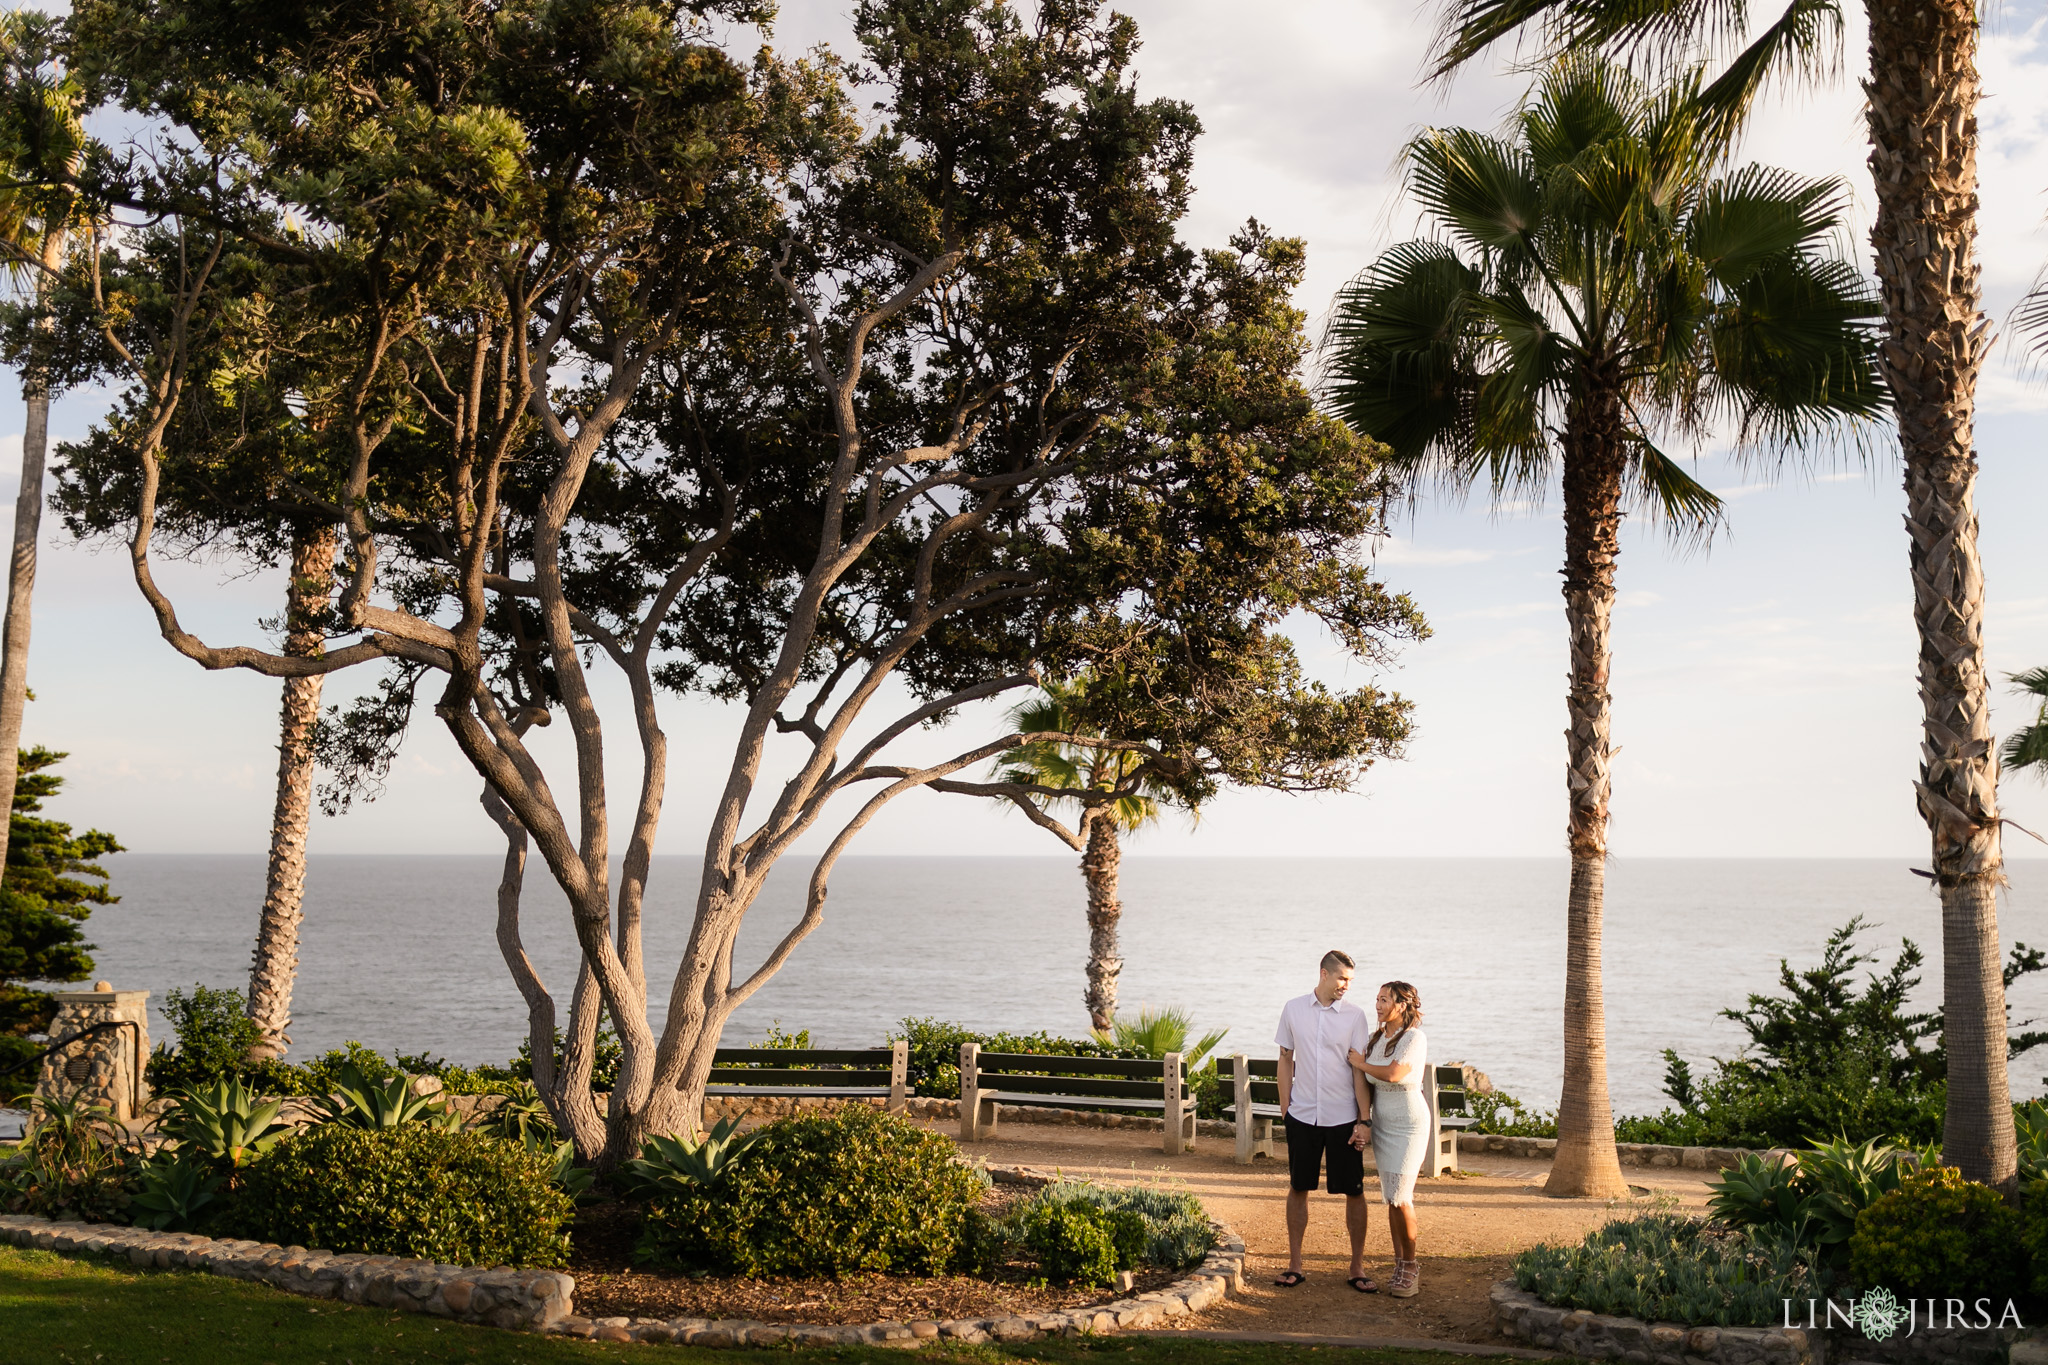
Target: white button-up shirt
[(1321, 1038)]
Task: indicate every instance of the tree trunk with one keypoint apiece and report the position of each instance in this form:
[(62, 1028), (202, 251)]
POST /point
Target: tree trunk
[(1922, 102), (1587, 1164), (1105, 961), (28, 526), (276, 960)]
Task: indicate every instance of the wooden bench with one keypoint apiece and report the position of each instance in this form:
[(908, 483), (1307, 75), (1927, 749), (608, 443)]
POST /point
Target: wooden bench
[(1254, 1104), (1447, 1107), (1133, 1085), (824, 1073)]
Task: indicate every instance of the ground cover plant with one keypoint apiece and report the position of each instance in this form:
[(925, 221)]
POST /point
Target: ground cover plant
[(1670, 1268), (1080, 1232)]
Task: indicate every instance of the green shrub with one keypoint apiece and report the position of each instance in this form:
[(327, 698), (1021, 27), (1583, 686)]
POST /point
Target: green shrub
[(1501, 1113), (1177, 1230), (71, 1163), (935, 1051), (1938, 1234), (858, 1190), (1082, 1243), (2034, 1234), (413, 1190), (214, 1035), (1668, 1268), (1145, 1224)]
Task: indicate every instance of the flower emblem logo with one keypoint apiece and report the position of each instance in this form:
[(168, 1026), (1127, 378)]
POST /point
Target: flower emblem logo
[(1878, 1314)]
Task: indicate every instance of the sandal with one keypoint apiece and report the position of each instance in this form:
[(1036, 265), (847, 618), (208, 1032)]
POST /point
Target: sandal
[(1290, 1278), (1407, 1279), (1364, 1284)]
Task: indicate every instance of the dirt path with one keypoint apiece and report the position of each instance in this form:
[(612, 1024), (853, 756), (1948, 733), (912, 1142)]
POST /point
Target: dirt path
[(1472, 1225)]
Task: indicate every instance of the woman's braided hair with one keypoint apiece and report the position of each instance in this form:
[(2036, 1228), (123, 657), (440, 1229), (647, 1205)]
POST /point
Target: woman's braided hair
[(1406, 1014)]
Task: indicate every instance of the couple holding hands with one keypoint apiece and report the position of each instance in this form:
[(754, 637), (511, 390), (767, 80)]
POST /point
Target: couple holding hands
[(1345, 1084)]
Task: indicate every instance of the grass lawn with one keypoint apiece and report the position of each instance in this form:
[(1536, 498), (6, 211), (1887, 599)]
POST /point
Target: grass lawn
[(56, 1310)]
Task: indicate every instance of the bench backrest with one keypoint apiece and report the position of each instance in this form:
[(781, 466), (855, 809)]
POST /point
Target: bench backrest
[(1450, 1090), (1114, 1078), (1264, 1073), (773, 1066)]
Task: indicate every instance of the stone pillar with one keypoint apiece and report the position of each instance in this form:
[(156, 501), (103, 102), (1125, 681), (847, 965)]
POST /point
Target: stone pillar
[(105, 1067)]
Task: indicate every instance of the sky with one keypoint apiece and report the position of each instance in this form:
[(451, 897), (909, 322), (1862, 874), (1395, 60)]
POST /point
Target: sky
[(1765, 702)]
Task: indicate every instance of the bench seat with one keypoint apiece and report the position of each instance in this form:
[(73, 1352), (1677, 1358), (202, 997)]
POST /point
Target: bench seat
[(813, 1073), (1018, 1097), (799, 1091), (1133, 1085)]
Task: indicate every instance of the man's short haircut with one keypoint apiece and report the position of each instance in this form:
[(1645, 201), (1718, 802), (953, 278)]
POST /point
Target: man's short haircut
[(1336, 958)]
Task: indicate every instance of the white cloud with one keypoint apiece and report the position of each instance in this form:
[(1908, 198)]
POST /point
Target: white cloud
[(1408, 552)]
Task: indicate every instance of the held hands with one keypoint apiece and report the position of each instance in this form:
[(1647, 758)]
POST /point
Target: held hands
[(1361, 1134)]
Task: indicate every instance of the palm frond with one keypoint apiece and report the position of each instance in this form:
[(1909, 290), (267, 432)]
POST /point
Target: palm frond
[(2033, 680), (1689, 511), (2027, 748), (1758, 215), (1485, 191)]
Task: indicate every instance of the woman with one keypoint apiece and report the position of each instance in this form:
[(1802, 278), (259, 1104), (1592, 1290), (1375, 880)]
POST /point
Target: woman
[(1399, 1127)]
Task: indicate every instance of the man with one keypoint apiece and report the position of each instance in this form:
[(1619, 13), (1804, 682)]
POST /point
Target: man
[(1323, 1106)]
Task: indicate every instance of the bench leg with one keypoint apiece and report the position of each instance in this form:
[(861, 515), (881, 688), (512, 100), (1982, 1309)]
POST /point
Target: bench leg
[(1262, 1138), (899, 1077)]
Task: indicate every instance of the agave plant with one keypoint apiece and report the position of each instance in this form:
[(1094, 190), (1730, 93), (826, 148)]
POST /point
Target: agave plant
[(1843, 1178), (1761, 1192), (361, 1102), (171, 1188), (1158, 1032), (521, 1117), (226, 1121), (670, 1165)]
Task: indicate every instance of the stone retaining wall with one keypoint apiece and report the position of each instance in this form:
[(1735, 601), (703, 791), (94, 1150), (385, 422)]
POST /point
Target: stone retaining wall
[(1596, 1336), (1632, 1153), (543, 1300), (534, 1300)]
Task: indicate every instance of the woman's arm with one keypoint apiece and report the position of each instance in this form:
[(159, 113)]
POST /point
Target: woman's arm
[(1393, 1073)]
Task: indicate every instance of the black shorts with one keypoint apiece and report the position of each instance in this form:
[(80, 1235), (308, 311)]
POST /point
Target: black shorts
[(1308, 1145)]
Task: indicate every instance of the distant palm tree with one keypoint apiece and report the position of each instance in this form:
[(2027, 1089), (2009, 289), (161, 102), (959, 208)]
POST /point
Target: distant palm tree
[(40, 129), (2028, 747), (1920, 104), (1594, 281), (1099, 827)]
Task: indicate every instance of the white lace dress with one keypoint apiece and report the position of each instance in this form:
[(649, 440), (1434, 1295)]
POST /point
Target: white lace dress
[(1400, 1116)]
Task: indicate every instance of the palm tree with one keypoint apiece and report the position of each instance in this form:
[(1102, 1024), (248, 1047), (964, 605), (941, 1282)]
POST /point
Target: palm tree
[(2028, 747), (40, 118), (1594, 282), (1098, 829), (1921, 108)]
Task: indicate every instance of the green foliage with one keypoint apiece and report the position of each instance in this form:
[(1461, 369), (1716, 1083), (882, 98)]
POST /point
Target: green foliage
[(1154, 1033), (604, 1070), (2034, 1235), (1177, 1230), (411, 1190), (1939, 1234), (1825, 1059), (1811, 1204), (44, 898), (1669, 1268), (1068, 770), (224, 1123), (857, 1190), (1499, 1112), (358, 1101), (2030, 1135), (1082, 1243), (172, 1189), (214, 1034), (71, 1163), (935, 1051), (672, 1165), (520, 1116), (777, 1038)]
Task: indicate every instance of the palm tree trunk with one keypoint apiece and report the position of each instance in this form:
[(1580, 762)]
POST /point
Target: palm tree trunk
[(276, 963), (28, 526), (1105, 960), (1922, 102), (1587, 1164)]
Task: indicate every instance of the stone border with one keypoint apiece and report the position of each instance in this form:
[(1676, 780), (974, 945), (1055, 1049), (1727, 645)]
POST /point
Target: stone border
[(542, 1300), (533, 1300), (1631, 1153), (1596, 1336), (1220, 1273)]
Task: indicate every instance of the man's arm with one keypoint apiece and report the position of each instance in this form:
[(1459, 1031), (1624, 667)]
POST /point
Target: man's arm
[(1286, 1079)]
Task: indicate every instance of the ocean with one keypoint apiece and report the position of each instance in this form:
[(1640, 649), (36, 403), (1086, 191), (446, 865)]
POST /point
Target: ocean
[(399, 953)]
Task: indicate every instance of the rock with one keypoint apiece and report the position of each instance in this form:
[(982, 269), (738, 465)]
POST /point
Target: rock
[(924, 1329), (2032, 1351)]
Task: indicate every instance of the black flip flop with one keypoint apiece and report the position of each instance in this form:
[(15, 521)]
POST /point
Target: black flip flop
[(1364, 1284), (1290, 1278)]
